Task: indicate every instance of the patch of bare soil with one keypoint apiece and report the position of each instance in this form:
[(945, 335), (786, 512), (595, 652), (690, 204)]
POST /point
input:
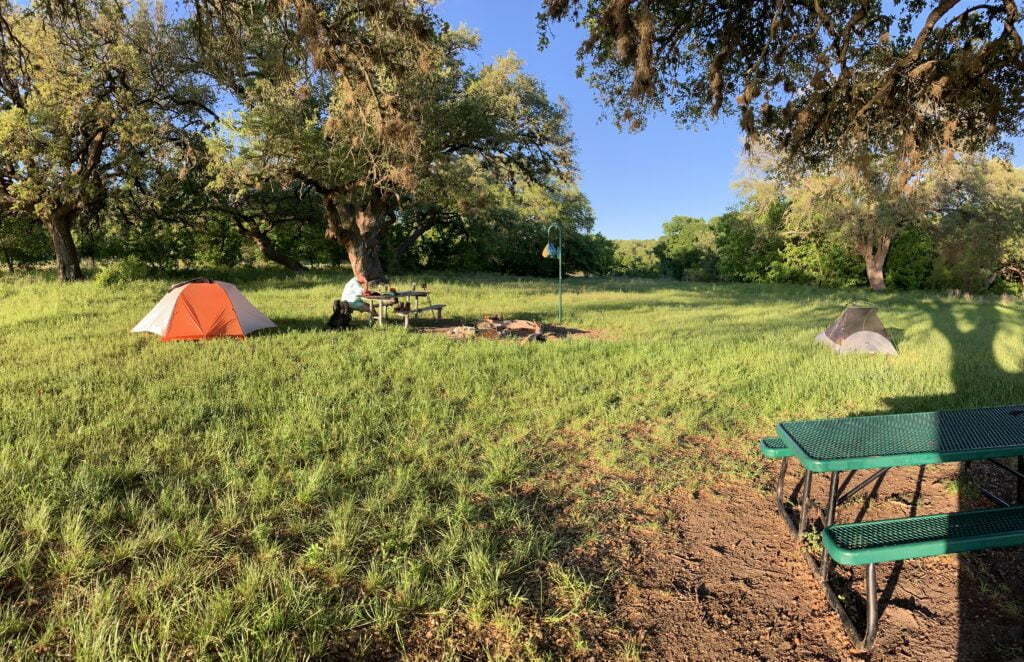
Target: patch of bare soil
[(715, 575), (722, 579), (493, 327)]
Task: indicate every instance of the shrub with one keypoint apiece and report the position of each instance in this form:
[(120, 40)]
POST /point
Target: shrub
[(746, 245), (686, 250), (910, 261), (635, 257), (122, 271), (821, 262)]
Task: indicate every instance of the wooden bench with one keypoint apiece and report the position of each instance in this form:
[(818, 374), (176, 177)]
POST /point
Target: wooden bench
[(406, 314)]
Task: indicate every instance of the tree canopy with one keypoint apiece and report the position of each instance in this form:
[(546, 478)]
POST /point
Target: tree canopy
[(373, 129), (815, 79), (89, 100)]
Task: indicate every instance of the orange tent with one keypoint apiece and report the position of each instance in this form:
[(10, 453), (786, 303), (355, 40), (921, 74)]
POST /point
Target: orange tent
[(200, 309)]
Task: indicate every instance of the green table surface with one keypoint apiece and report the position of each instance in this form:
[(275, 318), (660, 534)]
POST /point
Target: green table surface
[(895, 440)]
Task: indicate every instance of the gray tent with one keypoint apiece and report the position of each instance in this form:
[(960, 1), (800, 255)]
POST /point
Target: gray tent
[(858, 329)]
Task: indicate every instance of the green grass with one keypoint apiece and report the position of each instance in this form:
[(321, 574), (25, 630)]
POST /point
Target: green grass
[(307, 493)]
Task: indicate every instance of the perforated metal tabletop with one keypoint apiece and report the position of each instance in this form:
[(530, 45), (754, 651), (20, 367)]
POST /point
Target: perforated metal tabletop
[(893, 440)]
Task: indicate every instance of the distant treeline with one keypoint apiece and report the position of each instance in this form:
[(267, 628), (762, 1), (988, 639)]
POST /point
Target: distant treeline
[(735, 247), (966, 232)]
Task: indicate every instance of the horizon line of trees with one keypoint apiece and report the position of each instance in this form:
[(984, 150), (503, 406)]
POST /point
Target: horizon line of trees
[(965, 231), (355, 129)]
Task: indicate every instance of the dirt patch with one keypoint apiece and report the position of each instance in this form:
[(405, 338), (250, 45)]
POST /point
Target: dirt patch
[(715, 575), (722, 579), (493, 327)]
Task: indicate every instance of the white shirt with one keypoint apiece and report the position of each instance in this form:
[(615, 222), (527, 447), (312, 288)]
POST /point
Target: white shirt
[(353, 290)]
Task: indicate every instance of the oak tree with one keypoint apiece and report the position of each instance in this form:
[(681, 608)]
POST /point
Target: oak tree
[(368, 103), (90, 96), (816, 79)]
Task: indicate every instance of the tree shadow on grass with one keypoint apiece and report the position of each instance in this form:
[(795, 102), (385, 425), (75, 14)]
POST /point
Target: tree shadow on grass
[(990, 584)]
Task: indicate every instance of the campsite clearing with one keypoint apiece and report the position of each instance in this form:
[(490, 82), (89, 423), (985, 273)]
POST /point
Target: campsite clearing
[(312, 493)]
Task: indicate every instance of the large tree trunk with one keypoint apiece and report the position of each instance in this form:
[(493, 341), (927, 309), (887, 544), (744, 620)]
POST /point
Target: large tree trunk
[(874, 262), (59, 227), (364, 255), (358, 230)]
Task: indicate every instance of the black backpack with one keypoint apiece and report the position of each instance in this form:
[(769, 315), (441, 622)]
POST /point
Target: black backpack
[(341, 318)]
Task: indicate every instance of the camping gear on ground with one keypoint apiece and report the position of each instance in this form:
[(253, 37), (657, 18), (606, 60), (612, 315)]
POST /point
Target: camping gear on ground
[(341, 317), (858, 329), (200, 309), (879, 443)]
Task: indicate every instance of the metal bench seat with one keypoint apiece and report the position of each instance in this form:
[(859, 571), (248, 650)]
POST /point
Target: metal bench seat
[(862, 543), (407, 314), (423, 309), (869, 543), (774, 448)]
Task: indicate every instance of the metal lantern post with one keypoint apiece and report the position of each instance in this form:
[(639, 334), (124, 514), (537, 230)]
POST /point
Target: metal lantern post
[(551, 251)]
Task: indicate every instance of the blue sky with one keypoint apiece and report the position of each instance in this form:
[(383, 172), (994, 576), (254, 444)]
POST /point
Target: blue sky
[(635, 181)]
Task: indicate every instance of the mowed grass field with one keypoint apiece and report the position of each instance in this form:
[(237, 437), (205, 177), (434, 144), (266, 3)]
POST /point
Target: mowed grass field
[(306, 493)]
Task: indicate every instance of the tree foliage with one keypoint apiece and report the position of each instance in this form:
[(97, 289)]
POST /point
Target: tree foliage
[(88, 99), (686, 248), (383, 112), (814, 79)]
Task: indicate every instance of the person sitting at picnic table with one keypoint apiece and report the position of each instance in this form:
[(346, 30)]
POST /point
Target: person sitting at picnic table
[(353, 292)]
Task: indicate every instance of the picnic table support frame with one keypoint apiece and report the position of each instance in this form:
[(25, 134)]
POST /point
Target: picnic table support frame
[(848, 494), (999, 501), (805, 503), (871, 626), (821, 568), (1017, 473), (1020, 480), (830, 516)]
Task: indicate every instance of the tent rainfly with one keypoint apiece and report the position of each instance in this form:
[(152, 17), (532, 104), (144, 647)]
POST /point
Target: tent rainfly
[(200, 309), (858, 329)]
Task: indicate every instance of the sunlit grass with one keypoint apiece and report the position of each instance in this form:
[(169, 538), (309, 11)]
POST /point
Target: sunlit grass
[(306, 493)]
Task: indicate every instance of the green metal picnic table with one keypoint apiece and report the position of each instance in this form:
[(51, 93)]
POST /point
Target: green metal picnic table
[(882, 442), (897, 440)]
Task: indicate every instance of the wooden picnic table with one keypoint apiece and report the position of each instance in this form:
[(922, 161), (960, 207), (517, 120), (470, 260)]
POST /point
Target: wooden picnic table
[(381, 303), (879, 443)]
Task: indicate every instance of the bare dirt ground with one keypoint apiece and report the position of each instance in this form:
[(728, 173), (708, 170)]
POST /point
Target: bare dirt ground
[(723, 580), (495, 328), (715, 575)]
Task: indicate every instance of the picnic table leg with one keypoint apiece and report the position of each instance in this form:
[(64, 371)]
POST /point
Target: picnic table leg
[(780, 485), (780, 498), (871, 626), (830, 516), (1020, 481), (805, 503)]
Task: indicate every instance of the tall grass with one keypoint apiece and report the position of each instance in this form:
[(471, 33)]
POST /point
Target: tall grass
[(308, 493)]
